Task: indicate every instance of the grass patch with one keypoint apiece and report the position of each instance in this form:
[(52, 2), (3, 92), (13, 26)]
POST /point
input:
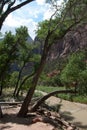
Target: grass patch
[(80, 99), (37, 94), (7, 94), (69, 97), (49, 89)]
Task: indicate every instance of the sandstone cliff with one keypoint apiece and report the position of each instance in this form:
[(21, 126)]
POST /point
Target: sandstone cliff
[(73, 41)]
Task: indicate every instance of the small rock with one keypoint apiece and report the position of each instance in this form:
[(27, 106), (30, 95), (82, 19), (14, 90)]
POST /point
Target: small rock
[(37, 119), (69, 128)]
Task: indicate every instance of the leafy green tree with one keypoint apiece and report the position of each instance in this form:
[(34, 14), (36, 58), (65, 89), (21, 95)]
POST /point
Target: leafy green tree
[(74, 70), (26, 56), (12, 79), (7, 55), (14, 49), (50, 32), (82, 85)]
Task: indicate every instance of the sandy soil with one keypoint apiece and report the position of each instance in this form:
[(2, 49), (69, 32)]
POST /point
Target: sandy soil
[(75, 113), (70, 111), (11, 122)]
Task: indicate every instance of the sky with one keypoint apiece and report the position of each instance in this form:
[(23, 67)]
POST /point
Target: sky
[(28, 16)]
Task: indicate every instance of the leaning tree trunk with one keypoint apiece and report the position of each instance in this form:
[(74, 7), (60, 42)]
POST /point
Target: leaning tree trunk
[(1, 22), (1, 87), (24, 109), (1, 84), (1, 115), (40, 101)]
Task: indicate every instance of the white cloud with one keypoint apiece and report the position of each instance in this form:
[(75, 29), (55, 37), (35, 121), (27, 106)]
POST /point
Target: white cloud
[(13, 22), (20, 17), (32, 27), (49, 10), (28, 16), (40, 2), (47, 14)]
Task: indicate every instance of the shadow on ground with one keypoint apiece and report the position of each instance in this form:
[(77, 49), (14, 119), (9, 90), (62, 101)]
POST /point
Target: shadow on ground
[(68, 116), (5, 127), (79, 124), (12, 118)]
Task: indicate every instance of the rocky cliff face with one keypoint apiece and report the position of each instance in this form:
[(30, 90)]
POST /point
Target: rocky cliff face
[(73, 41)]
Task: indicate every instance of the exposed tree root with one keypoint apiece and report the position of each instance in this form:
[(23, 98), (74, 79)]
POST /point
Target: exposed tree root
[(54, 119)]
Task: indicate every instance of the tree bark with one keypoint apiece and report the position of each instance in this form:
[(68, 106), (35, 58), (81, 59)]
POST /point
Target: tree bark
[(1, 83), (1, 115), (1, 87), (24, 109), (1, 23), (40, 101)]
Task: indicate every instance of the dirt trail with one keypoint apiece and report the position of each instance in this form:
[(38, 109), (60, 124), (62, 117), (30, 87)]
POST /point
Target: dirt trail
[(11, 122), (71, 111)]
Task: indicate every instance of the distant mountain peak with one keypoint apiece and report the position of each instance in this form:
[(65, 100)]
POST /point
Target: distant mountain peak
[(29, 39)]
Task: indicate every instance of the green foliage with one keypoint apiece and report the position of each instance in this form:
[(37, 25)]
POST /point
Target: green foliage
[(49, 89), (1, 35), (44, 80), (68, 16), (48, 26), (80, 99), (14, 49), (13, 79), (50, 81), (22, 34), (37, 95), (83, 82), (7, 51), (70, 97), (76, 71), (42, 29), (73, 68)]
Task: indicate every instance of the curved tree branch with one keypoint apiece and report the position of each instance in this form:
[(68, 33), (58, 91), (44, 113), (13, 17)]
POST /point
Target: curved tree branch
[(41, 100), (19, 5), (10, 9)]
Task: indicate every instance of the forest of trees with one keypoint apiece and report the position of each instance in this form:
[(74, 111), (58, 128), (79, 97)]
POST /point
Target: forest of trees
[(15, 49)]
